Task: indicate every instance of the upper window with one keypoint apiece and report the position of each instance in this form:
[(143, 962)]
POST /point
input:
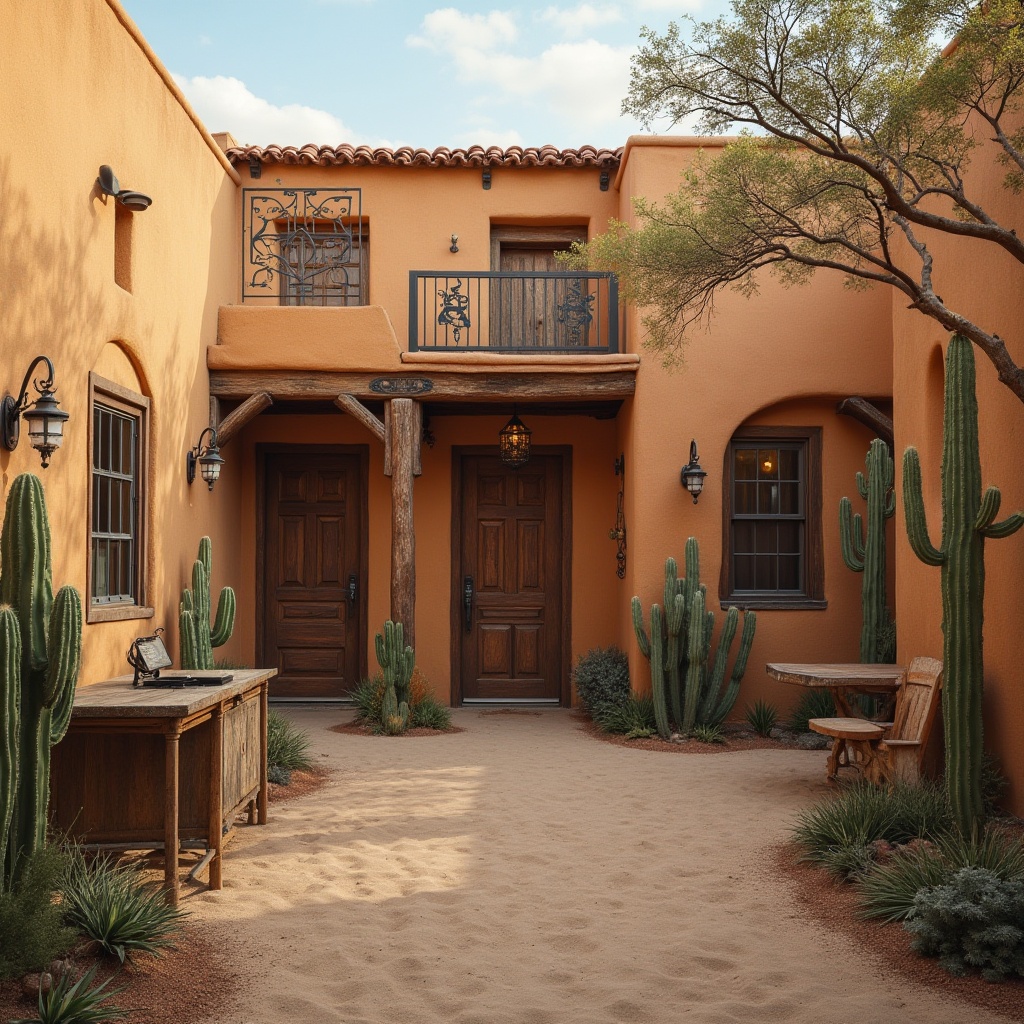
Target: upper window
[(773, 518), (117, 453), (325, 265)]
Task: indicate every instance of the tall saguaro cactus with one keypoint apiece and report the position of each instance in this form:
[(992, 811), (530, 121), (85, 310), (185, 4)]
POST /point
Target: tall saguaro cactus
[(684, 689), (40, 653), (198, 638), (396, 661), (968, 518), (864, 551)]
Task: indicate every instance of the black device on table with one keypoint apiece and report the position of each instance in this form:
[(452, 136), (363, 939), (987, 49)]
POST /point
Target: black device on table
[(148, 655)]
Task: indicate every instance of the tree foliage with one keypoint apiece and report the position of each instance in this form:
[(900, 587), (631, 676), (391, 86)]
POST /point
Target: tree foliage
[(856, 134)]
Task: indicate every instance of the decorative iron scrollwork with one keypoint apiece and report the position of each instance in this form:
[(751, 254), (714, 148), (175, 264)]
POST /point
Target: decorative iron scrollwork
[(454, 309), (575, 311), (618, 531), (401, 385)]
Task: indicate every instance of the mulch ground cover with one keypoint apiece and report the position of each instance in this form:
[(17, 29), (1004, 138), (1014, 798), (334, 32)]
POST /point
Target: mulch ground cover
[(363, 729)]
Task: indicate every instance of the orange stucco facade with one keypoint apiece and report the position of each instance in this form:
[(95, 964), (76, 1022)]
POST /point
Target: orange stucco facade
[(153, 302)]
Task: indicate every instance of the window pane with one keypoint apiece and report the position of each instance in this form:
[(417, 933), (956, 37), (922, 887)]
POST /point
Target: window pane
[(768, 463), (743, 533), (767, 534), (789, 572), (789, 537), (743, 572), (744, 464), (99, 568), (789, 499), (746, 499), (766, 575), (789, 464), (767, 499)]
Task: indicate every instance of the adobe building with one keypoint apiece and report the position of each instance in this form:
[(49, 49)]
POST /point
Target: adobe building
[(359, 325)]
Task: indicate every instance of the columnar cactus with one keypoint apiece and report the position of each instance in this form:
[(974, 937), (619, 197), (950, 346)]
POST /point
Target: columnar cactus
[(396, 661), (197, 638), (865, 552), (968, 517), (679, 654), (40, 653)]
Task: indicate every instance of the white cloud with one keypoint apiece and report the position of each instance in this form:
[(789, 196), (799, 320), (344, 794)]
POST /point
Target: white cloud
[(205, 40), (450, 31), (577, 21), (668, 5), (226, 104)]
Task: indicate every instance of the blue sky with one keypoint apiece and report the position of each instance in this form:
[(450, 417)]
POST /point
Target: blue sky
[(407, 73)]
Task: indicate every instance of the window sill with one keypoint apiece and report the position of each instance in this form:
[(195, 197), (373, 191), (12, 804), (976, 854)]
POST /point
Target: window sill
[(751, 602), (117, 612)]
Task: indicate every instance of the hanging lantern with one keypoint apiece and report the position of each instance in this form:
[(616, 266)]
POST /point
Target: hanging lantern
[(514, 443)]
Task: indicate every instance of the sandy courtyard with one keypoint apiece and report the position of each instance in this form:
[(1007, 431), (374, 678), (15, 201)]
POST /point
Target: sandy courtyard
[(522, 872)]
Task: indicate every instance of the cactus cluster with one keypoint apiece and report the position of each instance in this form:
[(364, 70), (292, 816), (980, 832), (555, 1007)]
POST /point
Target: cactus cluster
[(968, 518), (40, 653), (396, 661), (689, 687), (864, 550), (197, 637)]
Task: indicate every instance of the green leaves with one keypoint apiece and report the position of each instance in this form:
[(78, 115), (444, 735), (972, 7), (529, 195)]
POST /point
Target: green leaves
[(79, 1002)]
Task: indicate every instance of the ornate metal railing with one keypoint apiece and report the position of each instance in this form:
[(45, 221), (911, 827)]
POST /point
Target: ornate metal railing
[(304, 246), (496, 311)]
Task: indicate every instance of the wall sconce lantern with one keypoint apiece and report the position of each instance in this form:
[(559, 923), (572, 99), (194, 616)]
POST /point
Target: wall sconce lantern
[(454, 247), (109, 186), (208, 458), (514, 443), (44, 416), (691, 476)]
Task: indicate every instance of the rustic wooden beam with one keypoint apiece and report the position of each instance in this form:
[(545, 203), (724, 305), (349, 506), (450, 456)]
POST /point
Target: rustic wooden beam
[(556, 384), (405, 431), (350, 404), (387, 439), (870, 415), (237, 418)]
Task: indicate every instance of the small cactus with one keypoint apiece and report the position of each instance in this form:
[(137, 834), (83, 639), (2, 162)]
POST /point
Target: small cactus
[(396, 661), (198, 638)]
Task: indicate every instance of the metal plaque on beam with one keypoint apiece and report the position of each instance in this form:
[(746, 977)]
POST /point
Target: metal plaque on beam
[(401, 385)]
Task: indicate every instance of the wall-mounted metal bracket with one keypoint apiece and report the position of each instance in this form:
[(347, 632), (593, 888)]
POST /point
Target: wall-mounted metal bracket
[(618, 532), (255, 167), (487, 178), (605, 181)]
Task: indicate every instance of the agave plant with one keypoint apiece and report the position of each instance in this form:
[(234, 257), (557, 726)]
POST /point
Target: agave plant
[(79, 1002)]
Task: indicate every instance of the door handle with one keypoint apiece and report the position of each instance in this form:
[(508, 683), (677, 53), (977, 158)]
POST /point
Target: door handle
[(353, 588), (467, 602)]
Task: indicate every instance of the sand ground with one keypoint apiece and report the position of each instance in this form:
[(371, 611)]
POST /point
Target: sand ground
[(521, 872)]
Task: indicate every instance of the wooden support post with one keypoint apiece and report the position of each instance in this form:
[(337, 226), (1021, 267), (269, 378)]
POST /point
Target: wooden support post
[(352, 405), (216, 817), (261, 800), (405, 440), (171, 738), (870, 415), (235, 420)]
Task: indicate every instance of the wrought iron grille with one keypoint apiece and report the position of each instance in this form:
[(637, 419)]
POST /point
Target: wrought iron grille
[(304, 246), (549, 311)]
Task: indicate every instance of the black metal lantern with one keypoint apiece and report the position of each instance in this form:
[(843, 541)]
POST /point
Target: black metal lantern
[(208, 459), (44, 416), (514, 443), (691, 476)]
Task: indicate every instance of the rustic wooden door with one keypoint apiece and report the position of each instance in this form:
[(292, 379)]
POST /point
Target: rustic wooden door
[(511, 577), (526, 311), (313, 573)]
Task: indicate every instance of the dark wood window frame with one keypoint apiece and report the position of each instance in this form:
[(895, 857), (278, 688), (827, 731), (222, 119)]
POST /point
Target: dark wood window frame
[(812, 596), (534, 237), (126, 402), (291, 296)]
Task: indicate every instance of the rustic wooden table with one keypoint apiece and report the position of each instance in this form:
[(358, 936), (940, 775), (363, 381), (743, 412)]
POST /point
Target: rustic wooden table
[(841, 680), (152, 768)]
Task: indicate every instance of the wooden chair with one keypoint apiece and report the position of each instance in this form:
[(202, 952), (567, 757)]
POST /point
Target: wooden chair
[(888, 751)]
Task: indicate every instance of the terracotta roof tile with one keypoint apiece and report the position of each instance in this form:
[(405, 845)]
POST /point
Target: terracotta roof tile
[(406, 156)]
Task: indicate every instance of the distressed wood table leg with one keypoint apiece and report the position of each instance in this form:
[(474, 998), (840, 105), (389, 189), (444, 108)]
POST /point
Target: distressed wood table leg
[(216, 818), (261, 800), (171, 882)]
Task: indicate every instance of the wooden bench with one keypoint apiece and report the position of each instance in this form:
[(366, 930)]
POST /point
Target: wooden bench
[(886, 752)]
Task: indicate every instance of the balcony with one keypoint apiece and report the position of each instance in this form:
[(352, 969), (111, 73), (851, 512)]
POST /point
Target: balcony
[(531, 313)]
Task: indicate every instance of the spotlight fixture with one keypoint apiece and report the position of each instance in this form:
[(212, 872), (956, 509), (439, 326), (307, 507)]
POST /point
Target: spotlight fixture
[(691, 476), (454, 247), (208, 458), (514, 443), (109, 186), (44, 416)]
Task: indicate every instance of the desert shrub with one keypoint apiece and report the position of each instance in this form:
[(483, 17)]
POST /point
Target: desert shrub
[(975, 920), (602, 678), (425, 711), (864, 814), (812, 704), (76, 1002), (367, 698), (428, 713), (708, 734), (32, 929), (634, 717), (888, 889), (850, 861), (110, 902), (993, 784), (287, 744), (761, 717), (278, 775)]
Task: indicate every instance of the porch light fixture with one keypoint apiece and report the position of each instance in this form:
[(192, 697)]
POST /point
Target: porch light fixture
[(109, 186), (514, 443), (454, 247), (691, 476), (208, 459), (44, 416)]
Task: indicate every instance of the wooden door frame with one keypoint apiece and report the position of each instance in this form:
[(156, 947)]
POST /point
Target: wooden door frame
[(459, 452), (362, 452)]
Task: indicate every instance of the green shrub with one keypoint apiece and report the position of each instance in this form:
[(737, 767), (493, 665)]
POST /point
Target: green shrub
[(975, 920), (287, 744), (368, 696), (635, 715), (428, 713), (887, 891), (79, 1002), (708, 734), (850, 861), (993, 784), (812, 704), (762, 717), (111, 903), (32, 929), (278, 775), (425, 710), (863, 814), (602, 678)]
